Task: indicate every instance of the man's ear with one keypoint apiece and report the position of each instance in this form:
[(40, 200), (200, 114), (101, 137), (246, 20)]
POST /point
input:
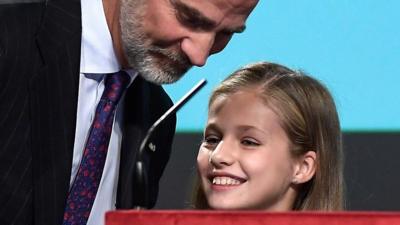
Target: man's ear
[(305, 168)]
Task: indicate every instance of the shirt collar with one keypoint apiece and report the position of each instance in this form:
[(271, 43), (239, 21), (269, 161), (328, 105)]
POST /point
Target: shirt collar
[(97, 51)]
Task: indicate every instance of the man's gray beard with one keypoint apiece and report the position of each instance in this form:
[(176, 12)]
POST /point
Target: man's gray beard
[(138, 52)]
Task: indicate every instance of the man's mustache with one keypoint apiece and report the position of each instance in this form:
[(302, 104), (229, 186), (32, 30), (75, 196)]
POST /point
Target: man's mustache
[(179, 56)]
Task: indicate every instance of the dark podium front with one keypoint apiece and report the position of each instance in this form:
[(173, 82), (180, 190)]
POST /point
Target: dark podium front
[(190, 217)]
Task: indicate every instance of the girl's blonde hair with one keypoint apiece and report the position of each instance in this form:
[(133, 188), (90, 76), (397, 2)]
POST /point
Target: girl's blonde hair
[(309, 117)]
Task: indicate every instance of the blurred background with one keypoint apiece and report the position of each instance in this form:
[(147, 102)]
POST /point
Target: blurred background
[(353, 47)]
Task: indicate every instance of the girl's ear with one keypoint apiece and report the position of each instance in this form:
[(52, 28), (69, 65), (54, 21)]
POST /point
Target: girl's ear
[(305, 168)]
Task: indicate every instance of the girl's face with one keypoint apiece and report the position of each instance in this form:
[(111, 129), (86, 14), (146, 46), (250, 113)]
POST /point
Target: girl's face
[(244, 161)]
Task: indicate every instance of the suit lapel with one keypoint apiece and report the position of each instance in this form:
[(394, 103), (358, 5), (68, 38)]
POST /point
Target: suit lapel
[(144, 104), (54, 92), (136, 123)]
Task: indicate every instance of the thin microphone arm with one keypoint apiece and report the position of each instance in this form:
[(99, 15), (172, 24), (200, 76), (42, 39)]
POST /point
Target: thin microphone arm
[(141, 173)]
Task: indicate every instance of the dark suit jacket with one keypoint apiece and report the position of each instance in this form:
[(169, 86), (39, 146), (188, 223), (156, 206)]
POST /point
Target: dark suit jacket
[(39, 75)]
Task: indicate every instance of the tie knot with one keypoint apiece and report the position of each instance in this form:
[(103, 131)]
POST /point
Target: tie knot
[(114, 86)]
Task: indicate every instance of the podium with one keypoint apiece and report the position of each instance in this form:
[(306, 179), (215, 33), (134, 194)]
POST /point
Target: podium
[(204, 217)]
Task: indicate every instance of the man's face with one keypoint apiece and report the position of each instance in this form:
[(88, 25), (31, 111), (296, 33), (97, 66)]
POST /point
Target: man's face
[(163, 39)]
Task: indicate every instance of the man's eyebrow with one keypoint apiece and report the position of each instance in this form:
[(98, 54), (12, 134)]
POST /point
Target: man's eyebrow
[(240, 29), (195, 19), (192, 17)]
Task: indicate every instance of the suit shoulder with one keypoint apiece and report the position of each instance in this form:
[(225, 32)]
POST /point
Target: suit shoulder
[(15, 9), (19, 24), (20, 18)]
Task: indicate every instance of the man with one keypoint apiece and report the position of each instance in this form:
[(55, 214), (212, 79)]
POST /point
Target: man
[(53, 59)]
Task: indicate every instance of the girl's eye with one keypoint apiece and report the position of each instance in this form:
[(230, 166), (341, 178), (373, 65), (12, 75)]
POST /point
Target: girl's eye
[(211, 140), (250, 142)]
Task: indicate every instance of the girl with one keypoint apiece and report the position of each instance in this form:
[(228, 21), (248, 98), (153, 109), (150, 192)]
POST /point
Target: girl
[(272, 142)]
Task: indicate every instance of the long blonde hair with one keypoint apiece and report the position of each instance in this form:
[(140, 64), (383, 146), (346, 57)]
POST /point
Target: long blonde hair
[(309, 117)]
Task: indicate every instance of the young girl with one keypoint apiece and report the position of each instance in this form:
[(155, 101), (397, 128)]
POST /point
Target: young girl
[(272, 142)]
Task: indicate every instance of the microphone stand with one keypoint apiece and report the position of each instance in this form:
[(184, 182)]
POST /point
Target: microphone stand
[(141, 173)]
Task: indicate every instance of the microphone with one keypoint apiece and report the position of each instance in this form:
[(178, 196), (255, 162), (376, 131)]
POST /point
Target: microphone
[(141, 173)]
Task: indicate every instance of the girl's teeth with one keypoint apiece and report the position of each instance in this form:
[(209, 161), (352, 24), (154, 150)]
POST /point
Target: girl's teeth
[(225, 181)]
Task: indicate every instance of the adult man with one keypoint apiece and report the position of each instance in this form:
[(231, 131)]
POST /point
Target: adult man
[(54, 57)]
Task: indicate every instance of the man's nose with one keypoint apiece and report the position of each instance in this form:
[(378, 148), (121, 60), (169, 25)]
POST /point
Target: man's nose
[(197, 47)]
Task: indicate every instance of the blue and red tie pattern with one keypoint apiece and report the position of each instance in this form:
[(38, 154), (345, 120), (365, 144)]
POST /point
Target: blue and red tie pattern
[(84, 188)]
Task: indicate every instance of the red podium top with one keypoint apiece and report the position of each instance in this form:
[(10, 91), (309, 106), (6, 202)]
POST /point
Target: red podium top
[(190, 217)]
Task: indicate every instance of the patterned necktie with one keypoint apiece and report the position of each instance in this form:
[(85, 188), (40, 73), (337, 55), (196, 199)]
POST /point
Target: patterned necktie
[(84, 188)]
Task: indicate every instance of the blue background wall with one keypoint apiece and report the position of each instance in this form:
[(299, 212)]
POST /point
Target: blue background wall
[(352, 46)]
